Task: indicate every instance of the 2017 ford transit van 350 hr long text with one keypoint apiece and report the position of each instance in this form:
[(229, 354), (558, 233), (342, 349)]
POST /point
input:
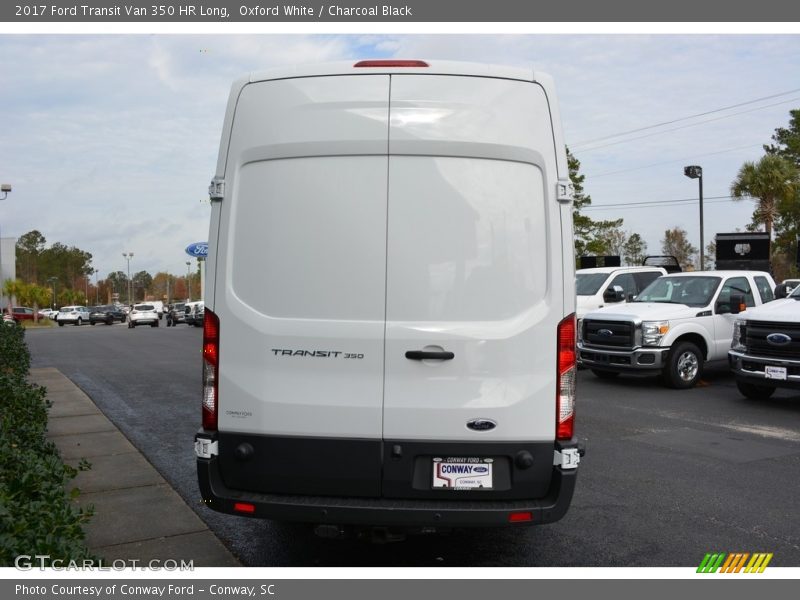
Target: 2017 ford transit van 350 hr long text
[(389, 318)]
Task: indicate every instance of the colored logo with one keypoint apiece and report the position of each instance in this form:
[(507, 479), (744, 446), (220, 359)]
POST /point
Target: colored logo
[(605, 332), (198, 249), (737, 562)]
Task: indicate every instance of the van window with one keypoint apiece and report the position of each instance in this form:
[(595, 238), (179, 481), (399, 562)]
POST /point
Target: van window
[(467, 239), (311, 237)]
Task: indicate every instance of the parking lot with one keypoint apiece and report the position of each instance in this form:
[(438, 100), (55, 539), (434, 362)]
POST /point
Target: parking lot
[(668, 476)]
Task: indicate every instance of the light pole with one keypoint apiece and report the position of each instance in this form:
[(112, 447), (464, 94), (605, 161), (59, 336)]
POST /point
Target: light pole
[(96, 287), (696, 172), (128, 256), (52, 281), (188, 284), (4, 189)]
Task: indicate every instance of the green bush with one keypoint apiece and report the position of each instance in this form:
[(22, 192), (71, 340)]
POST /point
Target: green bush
[(36, 515)]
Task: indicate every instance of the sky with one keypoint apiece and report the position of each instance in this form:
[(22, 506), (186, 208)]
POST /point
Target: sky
[(110, 141)]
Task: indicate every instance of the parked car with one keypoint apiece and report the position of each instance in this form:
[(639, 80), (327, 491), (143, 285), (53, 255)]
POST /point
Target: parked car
[(791, 285), (48, 313), (21, 313), (176, 314), (765, 350), (199, 314), (106, 314), (143, 314), (191, 313), (77, 315), (597, 287), (675, 325)]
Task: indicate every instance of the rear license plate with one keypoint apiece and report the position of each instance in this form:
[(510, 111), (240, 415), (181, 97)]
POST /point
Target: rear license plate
[(462, 473), (775, 372)]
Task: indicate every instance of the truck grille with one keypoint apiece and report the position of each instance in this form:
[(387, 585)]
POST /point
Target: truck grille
[(621, 333), (757, 344)]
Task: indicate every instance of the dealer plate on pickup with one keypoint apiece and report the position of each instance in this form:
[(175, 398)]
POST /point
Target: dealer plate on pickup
[(462, 473), (775, 372)]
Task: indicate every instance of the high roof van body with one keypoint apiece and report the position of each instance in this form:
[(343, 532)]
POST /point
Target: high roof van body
[(389, 321)]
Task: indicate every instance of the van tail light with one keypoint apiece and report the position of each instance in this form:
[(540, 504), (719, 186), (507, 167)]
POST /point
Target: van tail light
[(391, 63), (567, 372), (210, 370)]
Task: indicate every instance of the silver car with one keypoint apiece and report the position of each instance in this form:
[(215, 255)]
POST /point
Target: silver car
[(143, 314), (77, 315)]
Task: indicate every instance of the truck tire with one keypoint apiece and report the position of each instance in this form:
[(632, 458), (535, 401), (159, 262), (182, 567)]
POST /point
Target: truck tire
[(755, 392), (684, 366), (605, 374)]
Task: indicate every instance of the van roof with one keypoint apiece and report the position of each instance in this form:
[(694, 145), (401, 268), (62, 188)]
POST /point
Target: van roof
[(435, 67)]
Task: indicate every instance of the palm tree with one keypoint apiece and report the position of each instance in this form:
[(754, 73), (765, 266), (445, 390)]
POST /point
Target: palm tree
[(38, 296), (770, 180), (12, 288)]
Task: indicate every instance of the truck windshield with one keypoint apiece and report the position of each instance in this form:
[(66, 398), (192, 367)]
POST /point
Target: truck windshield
[(691, 291), (587, 284), (796, 293)]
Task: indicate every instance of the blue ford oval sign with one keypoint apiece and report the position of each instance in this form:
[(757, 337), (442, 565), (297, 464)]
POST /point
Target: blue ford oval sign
[(197, 250)]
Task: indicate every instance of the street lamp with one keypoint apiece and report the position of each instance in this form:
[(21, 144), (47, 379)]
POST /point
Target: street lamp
[(96, 287), (128, 256), (52, 281), (4, 189), (696, 172), (188, 285)]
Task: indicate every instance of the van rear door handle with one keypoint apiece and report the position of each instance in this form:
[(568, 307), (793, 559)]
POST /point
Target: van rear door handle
[(425, 355)]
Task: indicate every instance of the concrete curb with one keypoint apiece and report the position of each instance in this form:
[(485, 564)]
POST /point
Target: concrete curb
[(138, 516)]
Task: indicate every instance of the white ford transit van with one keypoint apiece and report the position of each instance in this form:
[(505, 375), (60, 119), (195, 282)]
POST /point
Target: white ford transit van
[(389, 334)]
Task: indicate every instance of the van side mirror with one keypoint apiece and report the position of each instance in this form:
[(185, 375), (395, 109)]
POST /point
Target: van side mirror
[(781, 291), (615, 293)]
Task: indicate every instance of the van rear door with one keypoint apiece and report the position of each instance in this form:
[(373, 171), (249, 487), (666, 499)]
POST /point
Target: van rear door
[(474, 246), (300, 292)]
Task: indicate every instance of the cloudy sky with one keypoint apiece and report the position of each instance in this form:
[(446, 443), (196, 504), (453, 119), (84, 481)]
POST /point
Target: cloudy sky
[(110, 141)]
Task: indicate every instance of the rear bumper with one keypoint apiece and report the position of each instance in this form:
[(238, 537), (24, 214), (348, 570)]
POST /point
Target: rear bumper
[(750, 369), (386, 512)]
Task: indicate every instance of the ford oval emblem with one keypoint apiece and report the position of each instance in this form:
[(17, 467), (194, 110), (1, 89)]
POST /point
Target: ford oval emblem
[(481, 424), (197, 250), (779, 339), (605, 332)]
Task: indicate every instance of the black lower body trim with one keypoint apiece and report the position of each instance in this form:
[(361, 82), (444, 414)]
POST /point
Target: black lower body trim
[(551, 506)]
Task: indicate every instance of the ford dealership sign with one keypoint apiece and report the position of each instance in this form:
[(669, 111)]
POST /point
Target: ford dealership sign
[(197, 250)]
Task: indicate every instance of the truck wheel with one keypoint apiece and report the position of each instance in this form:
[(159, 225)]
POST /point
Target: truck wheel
[(755, 392), (605, 374), (60, 324), (685, 366)]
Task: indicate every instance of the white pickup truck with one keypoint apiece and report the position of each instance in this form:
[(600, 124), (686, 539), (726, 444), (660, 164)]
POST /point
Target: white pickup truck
[(675, 325), (765, 352)]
